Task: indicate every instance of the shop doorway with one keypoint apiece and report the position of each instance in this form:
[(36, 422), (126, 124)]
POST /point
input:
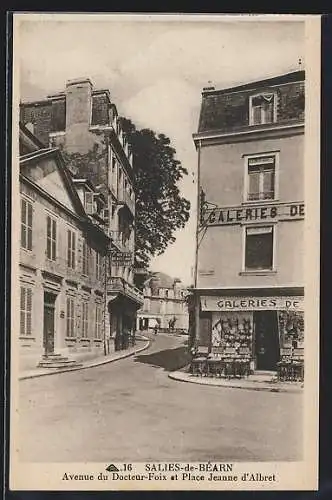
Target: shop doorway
[(266, 340), (205, 328), (48, 330)]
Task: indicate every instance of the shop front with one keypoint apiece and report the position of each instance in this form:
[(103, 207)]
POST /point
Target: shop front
[(261, 325)]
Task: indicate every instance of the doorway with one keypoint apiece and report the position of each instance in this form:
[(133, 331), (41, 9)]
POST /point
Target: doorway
[(49, 315), (266, 340)]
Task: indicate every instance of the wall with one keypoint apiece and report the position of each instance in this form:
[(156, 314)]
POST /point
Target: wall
[(223, 169), (221, 248)]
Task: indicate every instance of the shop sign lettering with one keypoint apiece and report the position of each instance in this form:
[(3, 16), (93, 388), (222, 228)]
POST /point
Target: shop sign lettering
[(253, 213), (252, 303)]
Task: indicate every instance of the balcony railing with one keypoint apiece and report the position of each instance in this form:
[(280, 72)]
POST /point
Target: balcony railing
[(118, 284)]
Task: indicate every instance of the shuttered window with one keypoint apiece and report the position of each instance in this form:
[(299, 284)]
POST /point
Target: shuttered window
[(86, 258), (50, 238), (26, 224), (70, 317), (71, 249), (25, 311), (85, 319), (261, 173), (98, 321)]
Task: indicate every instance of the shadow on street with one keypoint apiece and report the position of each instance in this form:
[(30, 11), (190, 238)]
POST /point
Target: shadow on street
[(169, 359)]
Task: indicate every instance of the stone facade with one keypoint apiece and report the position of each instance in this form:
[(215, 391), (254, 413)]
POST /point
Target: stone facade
[(84, 123), (164, 304)]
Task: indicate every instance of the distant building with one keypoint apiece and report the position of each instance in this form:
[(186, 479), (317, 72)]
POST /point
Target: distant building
[(61, 264), (85, 121), (164, 304), (250, 280)]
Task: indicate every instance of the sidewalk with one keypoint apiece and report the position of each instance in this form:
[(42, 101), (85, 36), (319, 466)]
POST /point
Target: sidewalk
[(254, 382), (142, 343)]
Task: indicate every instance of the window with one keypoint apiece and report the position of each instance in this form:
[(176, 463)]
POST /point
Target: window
[(85, 320), (26, 224), (99, 320), (71, 249), (70, 331), (166, 293), (99, 266), (51, 238), (262, 109), (259, 248), (261, 178), (89, 203), (86, 258), (25, 311)]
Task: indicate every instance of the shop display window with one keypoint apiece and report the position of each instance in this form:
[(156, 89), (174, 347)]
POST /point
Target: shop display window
[(291, 328)]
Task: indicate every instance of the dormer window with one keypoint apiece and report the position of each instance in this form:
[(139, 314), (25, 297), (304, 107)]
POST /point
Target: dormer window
[(262, 108), (90, 205)]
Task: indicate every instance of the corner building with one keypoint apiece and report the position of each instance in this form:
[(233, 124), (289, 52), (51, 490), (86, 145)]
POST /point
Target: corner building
[(250, 277)]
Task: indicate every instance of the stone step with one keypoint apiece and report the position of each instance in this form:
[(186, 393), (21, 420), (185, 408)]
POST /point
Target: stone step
[(59, 364), (54, 357)]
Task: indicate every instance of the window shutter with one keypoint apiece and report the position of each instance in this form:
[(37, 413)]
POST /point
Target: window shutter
[(28, 311), (22, 307)]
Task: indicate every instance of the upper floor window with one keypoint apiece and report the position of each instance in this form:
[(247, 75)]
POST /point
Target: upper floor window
[(261, 177), (25, 311), (26, 224), (259, 248), (98, 266), (71, 249), (51, 238), (262, 109), (86, 258), (90, 206)]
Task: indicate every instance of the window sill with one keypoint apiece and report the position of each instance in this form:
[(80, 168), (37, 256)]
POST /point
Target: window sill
[(27, 337), (72, 339), (258, 272), (260, 202)]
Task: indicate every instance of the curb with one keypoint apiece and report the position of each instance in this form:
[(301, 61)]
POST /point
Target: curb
[(92, 365), (177, 376)]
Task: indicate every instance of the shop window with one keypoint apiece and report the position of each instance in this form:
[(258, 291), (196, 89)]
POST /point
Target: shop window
[(25, 311), (26, 224), (262, 109), (70, 332), (259, 248), (85, 320), (51, 235), (71, 249), (261, 172)]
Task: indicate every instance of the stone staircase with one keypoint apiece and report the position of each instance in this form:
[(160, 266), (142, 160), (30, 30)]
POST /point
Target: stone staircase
[(57, 361)]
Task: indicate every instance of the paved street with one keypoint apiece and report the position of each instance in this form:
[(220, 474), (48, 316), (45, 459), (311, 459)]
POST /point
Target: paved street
[(130, 410)]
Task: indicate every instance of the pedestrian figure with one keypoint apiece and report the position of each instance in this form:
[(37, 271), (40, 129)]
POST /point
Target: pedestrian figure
[(156, 328)]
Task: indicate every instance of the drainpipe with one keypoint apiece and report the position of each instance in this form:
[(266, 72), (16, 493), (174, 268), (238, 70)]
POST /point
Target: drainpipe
[(197, 301)]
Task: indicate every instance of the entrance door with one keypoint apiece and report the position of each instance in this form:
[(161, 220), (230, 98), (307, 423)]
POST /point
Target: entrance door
[(49, 308), (266, 340), (205, 328)]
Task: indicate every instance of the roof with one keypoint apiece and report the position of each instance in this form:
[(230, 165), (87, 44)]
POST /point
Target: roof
[(66, 176), (29, 139), (227, 110), (164, 280), (294, 76)]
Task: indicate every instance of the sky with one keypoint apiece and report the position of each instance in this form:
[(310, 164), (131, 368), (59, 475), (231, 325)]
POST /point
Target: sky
[(155, 69)]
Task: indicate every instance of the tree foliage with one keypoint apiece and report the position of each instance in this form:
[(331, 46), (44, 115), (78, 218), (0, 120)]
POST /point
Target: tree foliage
[(160, 208)]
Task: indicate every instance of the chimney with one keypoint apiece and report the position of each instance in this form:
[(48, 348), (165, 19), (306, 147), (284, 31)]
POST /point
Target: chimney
[(78, 114)]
